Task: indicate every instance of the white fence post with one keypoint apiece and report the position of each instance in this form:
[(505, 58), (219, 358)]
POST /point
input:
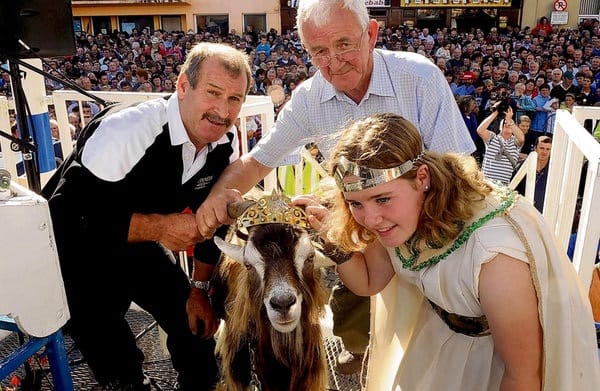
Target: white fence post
[(571, 144)]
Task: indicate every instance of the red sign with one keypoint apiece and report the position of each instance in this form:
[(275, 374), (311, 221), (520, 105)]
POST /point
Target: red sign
[(560, 5)]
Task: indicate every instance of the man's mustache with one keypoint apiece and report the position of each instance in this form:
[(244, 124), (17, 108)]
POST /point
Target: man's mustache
[(215, 118)]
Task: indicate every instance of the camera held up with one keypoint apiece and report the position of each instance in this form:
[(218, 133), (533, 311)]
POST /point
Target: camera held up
[(501, 106)]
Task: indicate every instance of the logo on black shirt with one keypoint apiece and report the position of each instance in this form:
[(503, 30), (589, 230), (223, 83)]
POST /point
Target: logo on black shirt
[(203, 182)]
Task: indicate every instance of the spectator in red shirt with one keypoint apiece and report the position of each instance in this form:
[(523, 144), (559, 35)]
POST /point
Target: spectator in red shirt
[(543, 28)]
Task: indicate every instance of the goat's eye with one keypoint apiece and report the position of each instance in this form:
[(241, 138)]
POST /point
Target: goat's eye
[(310, 258), (248, 266)]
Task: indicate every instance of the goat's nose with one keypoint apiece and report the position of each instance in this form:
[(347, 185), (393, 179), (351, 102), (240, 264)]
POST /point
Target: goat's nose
[(282, 303)]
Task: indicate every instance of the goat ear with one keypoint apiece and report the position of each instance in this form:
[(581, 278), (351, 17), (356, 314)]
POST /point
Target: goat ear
[(321, 260), (233, 251)]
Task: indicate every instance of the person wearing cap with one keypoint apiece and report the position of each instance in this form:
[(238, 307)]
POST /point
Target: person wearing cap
[(565, 87), (466, 87), (470, 289)]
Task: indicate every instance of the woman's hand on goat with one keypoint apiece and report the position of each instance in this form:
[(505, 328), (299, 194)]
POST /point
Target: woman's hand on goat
[(201, 317), (315, 212)]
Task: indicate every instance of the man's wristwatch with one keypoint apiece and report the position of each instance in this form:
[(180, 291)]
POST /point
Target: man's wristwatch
[(204, 285)]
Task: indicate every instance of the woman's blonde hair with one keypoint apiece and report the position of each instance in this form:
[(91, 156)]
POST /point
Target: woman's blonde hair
[(386, 141)]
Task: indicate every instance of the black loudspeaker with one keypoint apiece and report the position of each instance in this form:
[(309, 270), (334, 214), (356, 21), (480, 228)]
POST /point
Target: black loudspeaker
[(46, 26)]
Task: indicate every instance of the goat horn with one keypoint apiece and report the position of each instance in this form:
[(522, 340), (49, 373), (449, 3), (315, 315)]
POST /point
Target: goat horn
[(235, 209)]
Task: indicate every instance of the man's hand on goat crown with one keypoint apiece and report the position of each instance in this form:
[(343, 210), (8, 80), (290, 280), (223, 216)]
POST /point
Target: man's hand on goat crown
[(212, 213)]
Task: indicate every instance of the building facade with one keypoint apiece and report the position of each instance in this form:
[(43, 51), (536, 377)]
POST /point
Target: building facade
[(464, 14), (223, 16)]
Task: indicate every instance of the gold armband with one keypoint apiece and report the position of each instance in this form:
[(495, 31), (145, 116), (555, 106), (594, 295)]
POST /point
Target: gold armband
[(335, 254)]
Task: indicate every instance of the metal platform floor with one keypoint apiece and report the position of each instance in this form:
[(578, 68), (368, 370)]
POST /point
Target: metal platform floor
[(157, 364)]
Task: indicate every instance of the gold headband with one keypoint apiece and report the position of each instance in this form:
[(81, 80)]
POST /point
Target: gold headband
[(274, 208), (368, 177)]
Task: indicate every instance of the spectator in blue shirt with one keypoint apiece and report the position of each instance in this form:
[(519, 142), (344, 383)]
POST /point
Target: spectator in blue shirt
[(264, 46), (538, 122), (466, 88)]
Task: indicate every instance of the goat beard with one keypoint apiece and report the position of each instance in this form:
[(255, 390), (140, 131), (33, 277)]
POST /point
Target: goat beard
[(288, 347)]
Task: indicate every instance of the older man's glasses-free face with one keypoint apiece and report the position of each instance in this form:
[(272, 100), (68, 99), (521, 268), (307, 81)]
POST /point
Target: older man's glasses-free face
[(346, 51)]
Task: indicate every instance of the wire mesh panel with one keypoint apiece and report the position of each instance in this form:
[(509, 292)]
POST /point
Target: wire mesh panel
[(157, 364)]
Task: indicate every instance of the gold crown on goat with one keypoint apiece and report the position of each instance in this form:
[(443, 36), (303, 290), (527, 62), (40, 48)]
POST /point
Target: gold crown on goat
[(273, 208)]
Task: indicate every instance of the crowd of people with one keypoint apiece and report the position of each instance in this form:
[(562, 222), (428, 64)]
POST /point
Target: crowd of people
[(480, 63), (420, 199), (528, 66)]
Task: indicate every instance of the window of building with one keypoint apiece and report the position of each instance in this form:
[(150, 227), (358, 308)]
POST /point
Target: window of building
[(101, 24), (77, 29), (170, 23), (375, 13), (214, 24), (464, 19), (257, 21), (139, 22)]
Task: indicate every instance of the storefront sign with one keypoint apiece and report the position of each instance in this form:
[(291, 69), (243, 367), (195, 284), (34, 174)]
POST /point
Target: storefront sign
[(377, 3), (559, 18), (456, 3)]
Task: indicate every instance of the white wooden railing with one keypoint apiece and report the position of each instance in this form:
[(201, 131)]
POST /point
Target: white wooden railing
[(254, 105), (571, 144), (527, 171)]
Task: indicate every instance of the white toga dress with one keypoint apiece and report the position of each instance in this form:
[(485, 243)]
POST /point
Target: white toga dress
[(413, 349)]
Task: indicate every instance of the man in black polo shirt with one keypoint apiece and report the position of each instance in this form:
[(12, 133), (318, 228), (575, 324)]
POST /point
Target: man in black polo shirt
[(116, 206)]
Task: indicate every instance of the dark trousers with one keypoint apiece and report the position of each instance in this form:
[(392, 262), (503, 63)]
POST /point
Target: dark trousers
[(350, 318), (100, 291)]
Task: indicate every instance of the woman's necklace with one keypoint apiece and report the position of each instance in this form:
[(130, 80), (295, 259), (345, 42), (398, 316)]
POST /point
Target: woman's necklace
[(411, 263)]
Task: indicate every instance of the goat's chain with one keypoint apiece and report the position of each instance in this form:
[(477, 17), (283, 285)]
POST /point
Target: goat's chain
[(255, 384)]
